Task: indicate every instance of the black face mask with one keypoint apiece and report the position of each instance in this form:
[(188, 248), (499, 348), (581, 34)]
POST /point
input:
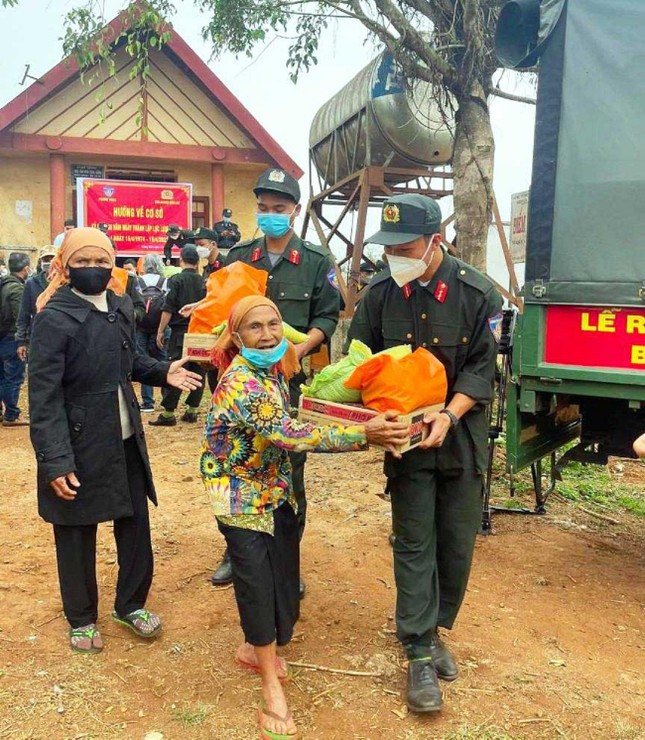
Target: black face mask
[(90, 280)]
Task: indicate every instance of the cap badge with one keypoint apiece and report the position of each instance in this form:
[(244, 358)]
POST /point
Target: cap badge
[(276, 176), (391, 214)]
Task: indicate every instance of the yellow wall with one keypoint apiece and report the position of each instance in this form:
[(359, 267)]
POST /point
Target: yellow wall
[(24, 179), (27, 178), (239, 197)]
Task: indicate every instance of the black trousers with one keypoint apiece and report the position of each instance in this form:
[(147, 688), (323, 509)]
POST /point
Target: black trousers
[(435, 517), (266, 572), (170, 396), (76, 555)]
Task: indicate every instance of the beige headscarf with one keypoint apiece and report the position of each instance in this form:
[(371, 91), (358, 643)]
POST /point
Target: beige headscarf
[(225, 348), (74, 240)]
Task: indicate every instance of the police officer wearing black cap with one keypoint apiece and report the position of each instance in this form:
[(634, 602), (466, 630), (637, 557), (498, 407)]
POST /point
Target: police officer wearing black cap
[(228, 233), (427, 298), (302, 283), (207, 239), (184, 287)]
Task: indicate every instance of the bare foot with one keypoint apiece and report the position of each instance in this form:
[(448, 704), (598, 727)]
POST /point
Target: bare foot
[(246, 655), (276, 716)]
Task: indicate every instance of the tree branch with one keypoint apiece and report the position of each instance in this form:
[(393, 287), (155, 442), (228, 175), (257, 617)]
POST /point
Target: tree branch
[(510, 96), (415, 42)]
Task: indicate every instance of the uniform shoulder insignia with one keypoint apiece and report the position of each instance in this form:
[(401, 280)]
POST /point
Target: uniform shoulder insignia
[(476, 279), (239, 245), (380, 277), (316, 248)]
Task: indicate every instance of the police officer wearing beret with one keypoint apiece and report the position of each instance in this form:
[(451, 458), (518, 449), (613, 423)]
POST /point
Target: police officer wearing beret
[(228, 232), (302, 283), (430, 299)]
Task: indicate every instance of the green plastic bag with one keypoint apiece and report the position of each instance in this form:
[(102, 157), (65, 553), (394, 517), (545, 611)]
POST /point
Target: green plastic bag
[(328, 383)]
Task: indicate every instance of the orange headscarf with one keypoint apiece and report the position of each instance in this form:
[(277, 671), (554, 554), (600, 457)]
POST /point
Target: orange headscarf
[(74, 240), (225, 349)]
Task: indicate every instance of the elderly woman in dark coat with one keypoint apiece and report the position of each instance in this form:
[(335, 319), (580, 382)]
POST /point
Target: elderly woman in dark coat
[(87, 433)]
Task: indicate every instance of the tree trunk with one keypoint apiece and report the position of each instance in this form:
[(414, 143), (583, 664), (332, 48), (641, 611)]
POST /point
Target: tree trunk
[(473, 160)]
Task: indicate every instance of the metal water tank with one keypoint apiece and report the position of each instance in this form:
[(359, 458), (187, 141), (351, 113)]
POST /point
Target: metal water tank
[(376, 119)]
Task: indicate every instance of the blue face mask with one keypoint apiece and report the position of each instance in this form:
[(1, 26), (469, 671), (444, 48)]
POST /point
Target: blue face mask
[(226, 219), (274, 224), (265, 358)]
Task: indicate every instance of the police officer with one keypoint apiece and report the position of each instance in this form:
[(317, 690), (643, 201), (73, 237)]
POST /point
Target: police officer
[(207, 239), (176, 239), (302, 282), (228, 233), (429, 299), (185, 287)]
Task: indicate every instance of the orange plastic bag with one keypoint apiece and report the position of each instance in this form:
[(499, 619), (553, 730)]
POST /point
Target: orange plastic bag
[(223, 290), (120, 275), (418, 379)]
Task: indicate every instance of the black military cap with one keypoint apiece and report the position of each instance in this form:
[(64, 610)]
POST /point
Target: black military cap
[(104, 228), (203, 233), (189, 254), (404, 218), (227, 212), (278, 181), (174, 229)]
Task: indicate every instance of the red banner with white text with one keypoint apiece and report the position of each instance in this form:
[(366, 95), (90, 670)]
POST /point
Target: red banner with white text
[(586, 336), (137, 213)]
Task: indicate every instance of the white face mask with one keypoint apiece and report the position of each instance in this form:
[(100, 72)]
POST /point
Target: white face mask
[(406, 269)]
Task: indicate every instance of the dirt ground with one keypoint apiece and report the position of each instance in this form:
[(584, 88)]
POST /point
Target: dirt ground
[(549, 640)]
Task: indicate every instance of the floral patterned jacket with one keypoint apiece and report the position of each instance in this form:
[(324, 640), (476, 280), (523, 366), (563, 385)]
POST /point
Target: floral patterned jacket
[(244, 461)]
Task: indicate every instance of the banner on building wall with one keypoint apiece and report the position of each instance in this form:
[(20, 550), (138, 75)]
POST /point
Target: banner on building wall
[(137, 213)]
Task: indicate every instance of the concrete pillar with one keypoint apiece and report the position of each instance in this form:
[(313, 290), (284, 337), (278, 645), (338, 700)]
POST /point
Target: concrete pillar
[(217, 192), (56, 193)]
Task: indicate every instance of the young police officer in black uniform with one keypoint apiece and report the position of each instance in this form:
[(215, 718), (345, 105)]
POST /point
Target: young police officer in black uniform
[(429, 299), (302, 283)]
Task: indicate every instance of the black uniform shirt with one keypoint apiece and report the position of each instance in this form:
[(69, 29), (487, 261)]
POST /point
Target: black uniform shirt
[(185, 287), (455, 317)]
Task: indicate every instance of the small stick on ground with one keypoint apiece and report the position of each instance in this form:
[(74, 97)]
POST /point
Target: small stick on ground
[(603, 517), (315, 667)]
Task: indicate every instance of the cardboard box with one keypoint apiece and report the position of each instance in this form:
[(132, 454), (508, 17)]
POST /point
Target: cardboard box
[(198, 346), (328, 412)]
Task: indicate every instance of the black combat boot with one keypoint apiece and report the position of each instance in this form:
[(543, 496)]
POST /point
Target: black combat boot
[(423, 692)]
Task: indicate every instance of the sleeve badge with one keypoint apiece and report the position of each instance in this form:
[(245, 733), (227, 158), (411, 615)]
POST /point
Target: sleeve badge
[(495, 326)]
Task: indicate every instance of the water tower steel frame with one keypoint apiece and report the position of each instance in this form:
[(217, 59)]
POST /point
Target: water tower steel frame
[(366, 187)]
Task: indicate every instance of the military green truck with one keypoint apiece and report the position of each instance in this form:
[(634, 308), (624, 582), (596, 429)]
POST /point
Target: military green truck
[(578, 349)]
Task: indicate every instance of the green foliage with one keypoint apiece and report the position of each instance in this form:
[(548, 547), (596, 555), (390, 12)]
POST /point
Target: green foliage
[(190, 717)]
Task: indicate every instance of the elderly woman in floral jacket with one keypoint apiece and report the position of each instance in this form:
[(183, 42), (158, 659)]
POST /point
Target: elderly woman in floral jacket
[(246, 470)]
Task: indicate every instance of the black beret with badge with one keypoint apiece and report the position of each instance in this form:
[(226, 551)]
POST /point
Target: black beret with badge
[(405, 218), (278, 181)]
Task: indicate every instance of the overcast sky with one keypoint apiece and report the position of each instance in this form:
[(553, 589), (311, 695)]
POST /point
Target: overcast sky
[(31, 35)]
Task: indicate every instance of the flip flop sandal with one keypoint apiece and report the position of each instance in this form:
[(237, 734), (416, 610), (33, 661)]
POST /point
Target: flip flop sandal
[(268, 734), (282, 677), (142, 622), (85, 639)]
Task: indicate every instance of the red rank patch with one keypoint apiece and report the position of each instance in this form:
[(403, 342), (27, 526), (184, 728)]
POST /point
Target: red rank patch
[(294, 257), (407, 291), (441, 291), (256, 254)]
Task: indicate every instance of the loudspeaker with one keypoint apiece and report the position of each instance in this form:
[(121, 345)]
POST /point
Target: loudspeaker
[(516, 36)]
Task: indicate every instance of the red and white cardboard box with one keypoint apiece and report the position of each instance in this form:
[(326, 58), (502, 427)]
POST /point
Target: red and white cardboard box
[(329, 412)]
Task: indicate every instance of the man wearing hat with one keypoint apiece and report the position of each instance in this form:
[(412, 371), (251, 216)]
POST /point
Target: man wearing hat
[(228, 233), (33, 288), (176, 238), (207, 240), (105, 228), (429, 299), (302, 283), (12, 367), (185, 287)]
